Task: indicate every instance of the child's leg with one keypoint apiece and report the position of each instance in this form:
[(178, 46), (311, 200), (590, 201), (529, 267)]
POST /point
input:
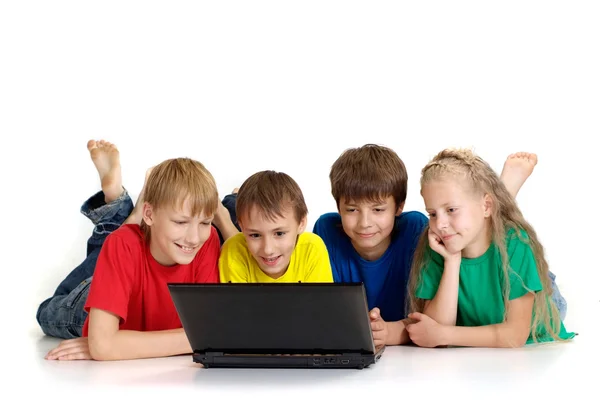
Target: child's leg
[(517, 168), (228, 203), (62, 314)]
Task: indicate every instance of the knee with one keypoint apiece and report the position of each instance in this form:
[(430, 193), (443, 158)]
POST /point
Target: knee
[(41, 309)]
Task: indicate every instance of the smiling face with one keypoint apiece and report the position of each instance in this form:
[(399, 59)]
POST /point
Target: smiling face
[(458, 215), (271, 241), (176, 235), (369, 225)]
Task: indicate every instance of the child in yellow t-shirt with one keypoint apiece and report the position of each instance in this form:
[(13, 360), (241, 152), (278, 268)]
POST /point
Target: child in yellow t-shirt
[(272, 245)]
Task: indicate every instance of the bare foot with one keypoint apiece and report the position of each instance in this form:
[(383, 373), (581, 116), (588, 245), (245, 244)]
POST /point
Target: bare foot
[(105, 157), (517, 168), (136, 215)]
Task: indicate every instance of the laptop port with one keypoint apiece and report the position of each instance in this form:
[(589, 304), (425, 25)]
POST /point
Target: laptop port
[(345, 362)]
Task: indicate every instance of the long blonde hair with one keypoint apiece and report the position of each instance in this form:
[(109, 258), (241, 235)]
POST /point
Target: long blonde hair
[(505, 214)]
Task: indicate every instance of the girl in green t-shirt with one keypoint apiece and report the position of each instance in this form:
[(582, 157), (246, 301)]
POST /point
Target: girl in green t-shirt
[(479, 276)]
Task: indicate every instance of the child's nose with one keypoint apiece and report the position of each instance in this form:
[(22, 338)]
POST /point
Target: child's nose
[(193, 235), (365, 220), (268, 246), (441, 223)]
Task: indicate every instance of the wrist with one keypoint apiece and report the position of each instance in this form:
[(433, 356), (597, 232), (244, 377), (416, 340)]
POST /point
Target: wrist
[(446, 335), (452, 260)]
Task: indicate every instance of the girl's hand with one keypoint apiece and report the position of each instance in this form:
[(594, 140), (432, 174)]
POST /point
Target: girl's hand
[(425, 332), (437, 245)]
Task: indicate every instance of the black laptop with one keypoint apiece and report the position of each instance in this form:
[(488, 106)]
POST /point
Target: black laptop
[(277, 325)]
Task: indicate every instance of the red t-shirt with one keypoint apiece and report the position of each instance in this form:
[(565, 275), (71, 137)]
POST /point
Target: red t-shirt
[(130, 283)]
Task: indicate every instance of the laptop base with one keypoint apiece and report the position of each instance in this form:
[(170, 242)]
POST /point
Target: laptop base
[(335, 361)]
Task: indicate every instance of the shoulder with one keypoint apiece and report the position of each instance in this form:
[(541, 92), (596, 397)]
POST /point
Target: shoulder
[(329, 221), (212, 247), (517, 241), (329, 226), (412, 220), (129, 232), (309, 239), (129, 235), (408, 228), (236, 243)]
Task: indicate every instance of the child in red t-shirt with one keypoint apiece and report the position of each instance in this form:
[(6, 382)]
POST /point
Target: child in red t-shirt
[(131, 314)]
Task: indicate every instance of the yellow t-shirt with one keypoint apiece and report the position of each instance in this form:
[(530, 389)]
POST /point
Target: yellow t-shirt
[(309, 262)]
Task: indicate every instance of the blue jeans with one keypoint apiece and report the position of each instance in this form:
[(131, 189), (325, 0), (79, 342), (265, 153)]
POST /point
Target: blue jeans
[(62, 315), (229, 203), (558, 299)]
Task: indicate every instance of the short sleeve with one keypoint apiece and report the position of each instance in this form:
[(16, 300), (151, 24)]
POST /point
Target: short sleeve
[(523, 274), (327, 228), (430, 276), (114, 277), (206, 263), (234, 260), (317, 261)]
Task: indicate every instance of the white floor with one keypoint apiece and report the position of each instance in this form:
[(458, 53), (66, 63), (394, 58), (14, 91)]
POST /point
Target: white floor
[(544, 371)]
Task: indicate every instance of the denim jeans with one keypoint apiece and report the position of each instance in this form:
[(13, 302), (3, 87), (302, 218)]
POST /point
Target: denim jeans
[(229, 203), (558, 299), (62, 315)]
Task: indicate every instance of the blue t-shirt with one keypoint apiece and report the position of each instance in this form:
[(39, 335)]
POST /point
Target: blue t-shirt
[(385, 279)]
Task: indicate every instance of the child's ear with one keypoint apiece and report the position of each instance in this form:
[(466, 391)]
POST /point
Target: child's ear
[(302, 225), (488, 204), (147, 214), (399, 209)]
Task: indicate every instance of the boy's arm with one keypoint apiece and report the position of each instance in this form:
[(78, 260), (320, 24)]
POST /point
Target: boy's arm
[(107, 342), (397, 333), (388, 333)]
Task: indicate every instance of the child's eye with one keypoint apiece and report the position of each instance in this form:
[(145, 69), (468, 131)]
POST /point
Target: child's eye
[(379, 209), (254, 235), (180, 222), (431, 215), (349, 210), (451, 210), (206, 223), (279, 234)]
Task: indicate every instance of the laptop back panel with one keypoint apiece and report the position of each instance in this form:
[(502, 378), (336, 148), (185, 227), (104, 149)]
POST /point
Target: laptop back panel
[(246, 324)]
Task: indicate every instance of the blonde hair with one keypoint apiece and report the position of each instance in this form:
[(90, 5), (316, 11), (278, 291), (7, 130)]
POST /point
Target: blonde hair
[(505, 215), (176, 180)]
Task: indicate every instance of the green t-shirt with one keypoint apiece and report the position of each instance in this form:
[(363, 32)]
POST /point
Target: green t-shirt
[(481, 282)]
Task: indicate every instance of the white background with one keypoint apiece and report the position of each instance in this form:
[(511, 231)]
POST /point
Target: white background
[(288, 85)]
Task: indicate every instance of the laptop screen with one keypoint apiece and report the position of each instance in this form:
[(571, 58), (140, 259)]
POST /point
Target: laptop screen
[(251, 318)]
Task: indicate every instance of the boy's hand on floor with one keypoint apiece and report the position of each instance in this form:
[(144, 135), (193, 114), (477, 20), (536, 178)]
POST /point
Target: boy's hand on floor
[(72, 349), (379, 327)]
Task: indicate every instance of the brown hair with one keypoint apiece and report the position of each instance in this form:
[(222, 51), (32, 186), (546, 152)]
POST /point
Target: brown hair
[(371, 172), (505, 216), (272, 193), (174, 181)]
